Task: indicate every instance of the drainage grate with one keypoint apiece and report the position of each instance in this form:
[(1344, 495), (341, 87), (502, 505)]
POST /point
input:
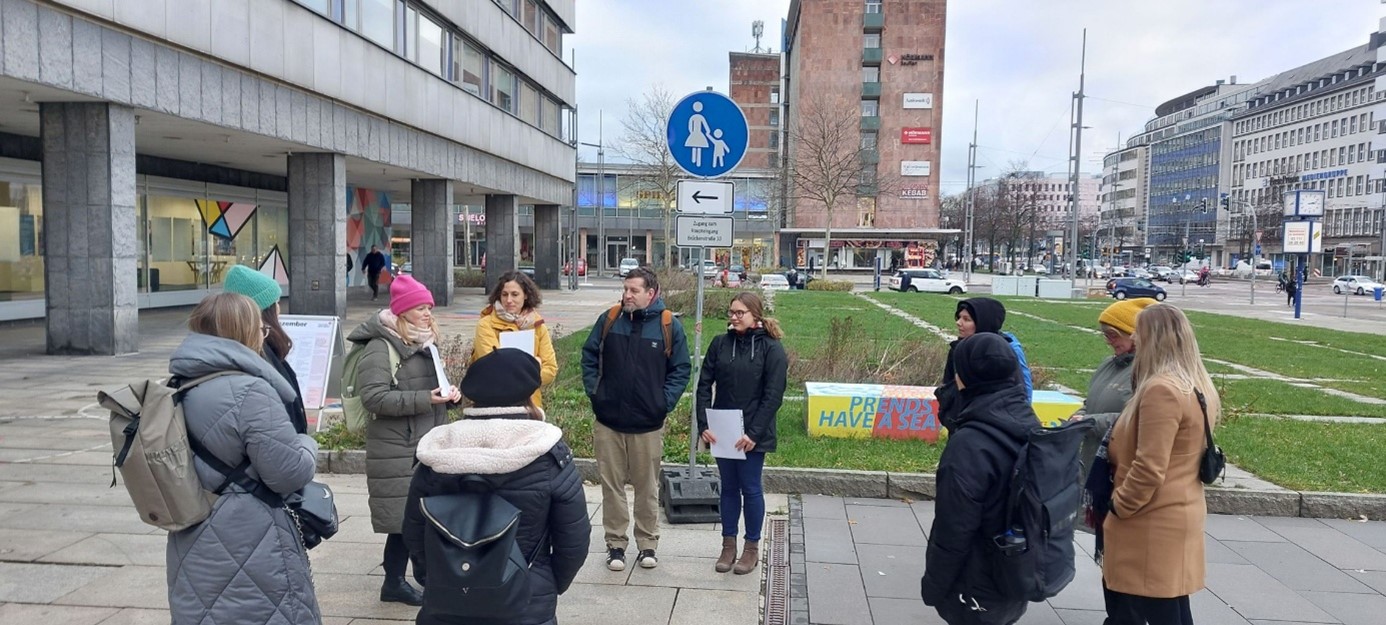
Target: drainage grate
[(777, 574)]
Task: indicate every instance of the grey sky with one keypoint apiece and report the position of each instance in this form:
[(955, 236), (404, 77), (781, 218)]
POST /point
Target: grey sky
[(1020, 58)]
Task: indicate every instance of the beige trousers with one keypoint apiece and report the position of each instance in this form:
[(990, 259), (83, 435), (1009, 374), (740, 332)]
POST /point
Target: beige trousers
[(629, 459)]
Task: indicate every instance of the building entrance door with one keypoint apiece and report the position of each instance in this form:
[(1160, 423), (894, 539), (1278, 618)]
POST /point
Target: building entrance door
[(616, 249)]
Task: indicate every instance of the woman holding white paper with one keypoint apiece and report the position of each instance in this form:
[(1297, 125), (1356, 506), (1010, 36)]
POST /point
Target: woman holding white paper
[(747, 366), (406, 401), (513, 306)]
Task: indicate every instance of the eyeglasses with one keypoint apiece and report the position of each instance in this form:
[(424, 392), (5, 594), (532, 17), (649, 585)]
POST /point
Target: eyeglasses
[(737, 313), (265, 331)]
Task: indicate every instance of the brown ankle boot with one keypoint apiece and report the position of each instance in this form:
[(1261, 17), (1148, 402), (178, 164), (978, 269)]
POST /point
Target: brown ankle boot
[(724, 561), (749, 558)]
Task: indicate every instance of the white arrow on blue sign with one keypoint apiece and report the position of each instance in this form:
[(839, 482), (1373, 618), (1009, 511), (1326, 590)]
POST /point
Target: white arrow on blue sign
[(707, 134)]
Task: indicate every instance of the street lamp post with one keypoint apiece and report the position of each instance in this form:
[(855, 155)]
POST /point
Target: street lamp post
[(601, 192)]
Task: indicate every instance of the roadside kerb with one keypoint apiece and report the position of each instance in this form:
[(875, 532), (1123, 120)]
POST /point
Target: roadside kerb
[(921, 486)]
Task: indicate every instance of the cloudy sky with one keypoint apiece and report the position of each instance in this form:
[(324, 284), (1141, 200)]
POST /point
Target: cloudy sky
[(1019, 58)]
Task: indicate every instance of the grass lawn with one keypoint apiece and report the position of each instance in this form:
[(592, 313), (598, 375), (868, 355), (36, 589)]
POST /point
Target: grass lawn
[(1343, 457)]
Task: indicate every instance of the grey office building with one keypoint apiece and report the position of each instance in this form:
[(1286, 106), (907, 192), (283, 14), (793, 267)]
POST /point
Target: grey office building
[(148, 145)]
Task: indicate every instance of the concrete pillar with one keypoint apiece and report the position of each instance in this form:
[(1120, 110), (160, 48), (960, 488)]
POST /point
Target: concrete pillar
[(650, 256), (431, 237), (502, 237), (317, 234), (89, 232), (547, 254)]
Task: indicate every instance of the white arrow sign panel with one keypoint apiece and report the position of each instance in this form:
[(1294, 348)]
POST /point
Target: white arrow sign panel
[(705, 197), (703, 231)]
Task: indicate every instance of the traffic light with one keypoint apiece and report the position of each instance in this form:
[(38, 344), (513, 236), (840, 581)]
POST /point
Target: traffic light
[(1203, 206), (1225, 202)]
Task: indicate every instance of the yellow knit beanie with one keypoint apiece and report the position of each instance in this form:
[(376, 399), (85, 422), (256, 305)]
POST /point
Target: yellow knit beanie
[(1122, 315)]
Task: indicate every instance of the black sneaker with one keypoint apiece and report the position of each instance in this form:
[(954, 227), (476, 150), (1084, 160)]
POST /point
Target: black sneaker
[(616, 559), (647, 559)]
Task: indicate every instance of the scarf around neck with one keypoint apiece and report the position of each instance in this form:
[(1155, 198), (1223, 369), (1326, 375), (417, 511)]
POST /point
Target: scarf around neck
[(421, 337), (523, 320)]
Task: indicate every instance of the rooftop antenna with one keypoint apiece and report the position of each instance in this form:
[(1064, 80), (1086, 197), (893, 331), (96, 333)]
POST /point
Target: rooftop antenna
[(758, 30)]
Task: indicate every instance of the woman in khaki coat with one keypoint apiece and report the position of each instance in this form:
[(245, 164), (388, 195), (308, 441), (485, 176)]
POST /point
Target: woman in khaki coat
[(1153, 557)]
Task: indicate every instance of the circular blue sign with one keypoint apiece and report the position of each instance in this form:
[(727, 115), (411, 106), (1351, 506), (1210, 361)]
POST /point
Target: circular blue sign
[(707, 134)]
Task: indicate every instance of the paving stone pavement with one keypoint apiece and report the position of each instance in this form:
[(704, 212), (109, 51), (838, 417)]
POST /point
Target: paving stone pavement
[(861, 560)]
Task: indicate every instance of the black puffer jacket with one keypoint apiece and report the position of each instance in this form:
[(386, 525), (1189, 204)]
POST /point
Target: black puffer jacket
[(530, 467), (993, 421), (749, 371)]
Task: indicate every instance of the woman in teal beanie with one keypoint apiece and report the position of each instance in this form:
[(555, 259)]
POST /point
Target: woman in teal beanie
[(266, 293)]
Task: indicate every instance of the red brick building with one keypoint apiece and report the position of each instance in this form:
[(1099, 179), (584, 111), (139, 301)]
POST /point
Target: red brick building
[(884, 60), (755, 86)]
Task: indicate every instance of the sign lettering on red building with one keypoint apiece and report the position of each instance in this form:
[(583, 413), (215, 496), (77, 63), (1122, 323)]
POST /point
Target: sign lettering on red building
[(916, 135)]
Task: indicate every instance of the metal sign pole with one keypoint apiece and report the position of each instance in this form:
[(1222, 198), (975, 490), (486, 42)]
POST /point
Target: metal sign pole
[(697, 367)]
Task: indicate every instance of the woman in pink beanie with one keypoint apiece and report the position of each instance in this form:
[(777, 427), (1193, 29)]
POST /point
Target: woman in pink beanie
[(397, 383)]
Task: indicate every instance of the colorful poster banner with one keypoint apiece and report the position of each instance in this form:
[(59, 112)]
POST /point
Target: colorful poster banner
[(900, 412)]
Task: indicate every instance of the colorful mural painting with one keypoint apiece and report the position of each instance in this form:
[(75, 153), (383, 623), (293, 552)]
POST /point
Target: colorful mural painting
[(900, 412), (274, 267), (225, 219), (368, 223)]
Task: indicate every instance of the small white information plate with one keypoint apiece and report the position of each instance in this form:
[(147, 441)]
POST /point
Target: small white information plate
[(704, 231)]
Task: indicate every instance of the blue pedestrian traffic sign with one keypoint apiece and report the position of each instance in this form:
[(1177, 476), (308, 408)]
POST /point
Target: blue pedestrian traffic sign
[(707, 134)]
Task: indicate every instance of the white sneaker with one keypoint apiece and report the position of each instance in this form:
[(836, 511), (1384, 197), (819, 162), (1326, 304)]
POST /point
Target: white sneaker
[(647, 559)]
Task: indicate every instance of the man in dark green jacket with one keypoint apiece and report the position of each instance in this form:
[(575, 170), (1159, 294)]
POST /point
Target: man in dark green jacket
[(634, 371)]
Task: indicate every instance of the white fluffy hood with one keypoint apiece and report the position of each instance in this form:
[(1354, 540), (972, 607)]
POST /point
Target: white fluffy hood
[(487, 446)]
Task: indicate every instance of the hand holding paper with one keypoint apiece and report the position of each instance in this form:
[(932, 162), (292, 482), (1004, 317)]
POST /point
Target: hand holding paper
[(727, 428), (445, 388), (520, 339)]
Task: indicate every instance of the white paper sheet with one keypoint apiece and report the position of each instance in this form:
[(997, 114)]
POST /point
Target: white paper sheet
[(519, 339), (438, 369), (727, 426)]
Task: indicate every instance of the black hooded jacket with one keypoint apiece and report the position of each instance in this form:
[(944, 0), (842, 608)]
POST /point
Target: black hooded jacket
[(749, 371), (988, 315), (992, 423)]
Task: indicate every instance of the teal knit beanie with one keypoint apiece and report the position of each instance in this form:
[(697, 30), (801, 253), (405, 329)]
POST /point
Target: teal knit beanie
[(253, 284)]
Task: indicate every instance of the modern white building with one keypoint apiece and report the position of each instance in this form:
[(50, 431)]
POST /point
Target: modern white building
[(1313, 128), (1120, 234), (147, 145)]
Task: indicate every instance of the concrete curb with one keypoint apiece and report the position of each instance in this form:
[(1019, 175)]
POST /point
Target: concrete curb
[(921, 486)]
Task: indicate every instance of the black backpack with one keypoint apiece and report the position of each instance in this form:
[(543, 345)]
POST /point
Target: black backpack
[(1031, 556), (475, 567)]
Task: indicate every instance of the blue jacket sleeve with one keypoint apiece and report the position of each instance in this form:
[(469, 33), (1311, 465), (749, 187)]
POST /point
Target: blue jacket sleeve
[(679, 369), (1024, 367), (591, 356)]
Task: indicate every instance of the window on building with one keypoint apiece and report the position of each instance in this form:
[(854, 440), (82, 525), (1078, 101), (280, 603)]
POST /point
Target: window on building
[(867, 177), (409, 44), (868, 140), (775, 96), (531, 17), (774, 117), (321, 6), (432, 51), (553, 37), (529, 103), (1353, 124), (873, 6), (774, 141), (502, 87), (870, 108), (511, 6), (1342, 154), (870, 74), (470, 66), (871, 41), (378, 21)]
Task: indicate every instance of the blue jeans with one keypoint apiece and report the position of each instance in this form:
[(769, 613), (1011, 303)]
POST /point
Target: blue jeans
[(741, 479)]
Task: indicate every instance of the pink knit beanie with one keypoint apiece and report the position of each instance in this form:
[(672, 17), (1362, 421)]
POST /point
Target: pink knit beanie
[(406, 294)]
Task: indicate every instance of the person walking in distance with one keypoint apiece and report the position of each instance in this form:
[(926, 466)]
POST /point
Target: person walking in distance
[(748, 367), (373, 265), (634, 368)]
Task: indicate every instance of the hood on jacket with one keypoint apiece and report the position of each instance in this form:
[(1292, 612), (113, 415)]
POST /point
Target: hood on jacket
[(748, 339), (993, 392), (987, 313), (203, 354), (373, 328), (985, 361), (652, 311), (487, 446)]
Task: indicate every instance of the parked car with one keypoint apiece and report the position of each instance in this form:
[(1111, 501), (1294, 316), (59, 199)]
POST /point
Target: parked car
[(1359, 285), (774, 282), (926, 280), (1137, 272), (627, 264), (710, 269), (1182, 276), (1158, 272), (1130, 288), (582, 267)]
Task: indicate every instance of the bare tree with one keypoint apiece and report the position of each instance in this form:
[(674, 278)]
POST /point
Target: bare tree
[(825, 163), (643, 142)]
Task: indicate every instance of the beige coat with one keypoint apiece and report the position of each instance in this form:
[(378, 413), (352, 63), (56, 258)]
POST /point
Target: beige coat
[(1154, 535)]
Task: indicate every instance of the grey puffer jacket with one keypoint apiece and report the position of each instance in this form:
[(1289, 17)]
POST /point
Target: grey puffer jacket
[(246, 562), (1108, 392), (402, 415)]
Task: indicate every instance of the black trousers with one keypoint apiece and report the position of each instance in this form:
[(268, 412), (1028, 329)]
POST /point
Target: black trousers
[(373, 279), (396, 555), (957, 610), (1124, 609)]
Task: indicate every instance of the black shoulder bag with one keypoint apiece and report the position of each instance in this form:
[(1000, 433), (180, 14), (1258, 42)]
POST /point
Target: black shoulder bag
[(1213, 463)]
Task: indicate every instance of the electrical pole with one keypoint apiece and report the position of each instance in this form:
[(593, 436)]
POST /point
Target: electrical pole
[(1072, 248), (971, 179)]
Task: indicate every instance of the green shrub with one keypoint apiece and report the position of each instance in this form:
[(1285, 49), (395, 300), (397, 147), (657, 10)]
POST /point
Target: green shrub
[(849, 354), (671, 280), (716, 300), (468, 278), (337, 438), (830, 285)]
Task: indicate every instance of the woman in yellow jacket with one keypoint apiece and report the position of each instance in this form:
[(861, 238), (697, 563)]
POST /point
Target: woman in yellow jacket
[(513, 306)]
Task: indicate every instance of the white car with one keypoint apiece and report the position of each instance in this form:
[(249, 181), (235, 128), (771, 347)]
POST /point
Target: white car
[(1359, 285), (710, 269), (627, 264), (774, 282), (928, 281)]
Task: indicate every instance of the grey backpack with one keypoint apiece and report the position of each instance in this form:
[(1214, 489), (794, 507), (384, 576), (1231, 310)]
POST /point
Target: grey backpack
[(155, 455)]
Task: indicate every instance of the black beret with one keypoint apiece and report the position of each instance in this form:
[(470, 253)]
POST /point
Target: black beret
[(505, 377)]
